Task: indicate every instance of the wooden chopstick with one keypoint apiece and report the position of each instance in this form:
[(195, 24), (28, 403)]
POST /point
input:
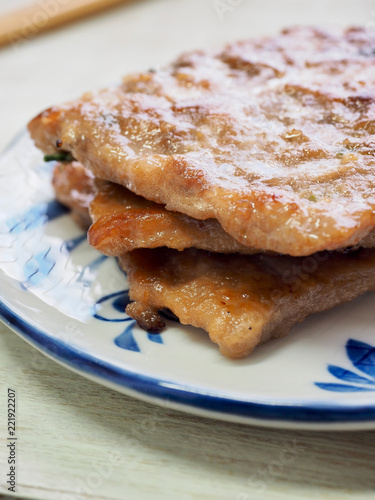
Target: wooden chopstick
[(26, 23)]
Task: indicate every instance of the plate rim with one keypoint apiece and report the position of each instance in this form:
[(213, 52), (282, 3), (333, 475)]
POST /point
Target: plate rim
[(185, 396)]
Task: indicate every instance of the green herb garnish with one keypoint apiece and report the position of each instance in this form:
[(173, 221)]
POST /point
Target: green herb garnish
[(60, 156), (312, 197)]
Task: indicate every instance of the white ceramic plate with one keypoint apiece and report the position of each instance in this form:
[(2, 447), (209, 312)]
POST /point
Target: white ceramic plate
[(68, 301)]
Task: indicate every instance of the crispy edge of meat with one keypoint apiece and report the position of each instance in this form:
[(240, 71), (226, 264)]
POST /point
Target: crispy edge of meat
[(242, 301), (124, 221), (119, 221)]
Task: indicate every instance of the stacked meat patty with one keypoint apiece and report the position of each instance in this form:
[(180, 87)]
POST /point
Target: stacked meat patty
[(236, 187)]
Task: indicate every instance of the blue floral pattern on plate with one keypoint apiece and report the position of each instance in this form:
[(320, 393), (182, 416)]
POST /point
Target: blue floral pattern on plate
[(362, 356), (115, 304), (39, 266)]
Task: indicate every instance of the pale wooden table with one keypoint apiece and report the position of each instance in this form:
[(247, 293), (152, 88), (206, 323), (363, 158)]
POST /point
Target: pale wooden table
[(78, 440)]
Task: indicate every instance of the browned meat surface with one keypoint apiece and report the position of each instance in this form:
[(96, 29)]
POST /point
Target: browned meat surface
[(242, 301), (273, 137), (124, 221), (74, 187), (223, 294)]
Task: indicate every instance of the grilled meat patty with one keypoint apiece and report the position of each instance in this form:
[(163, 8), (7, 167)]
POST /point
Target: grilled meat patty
[(242, 300), (273, 137)]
